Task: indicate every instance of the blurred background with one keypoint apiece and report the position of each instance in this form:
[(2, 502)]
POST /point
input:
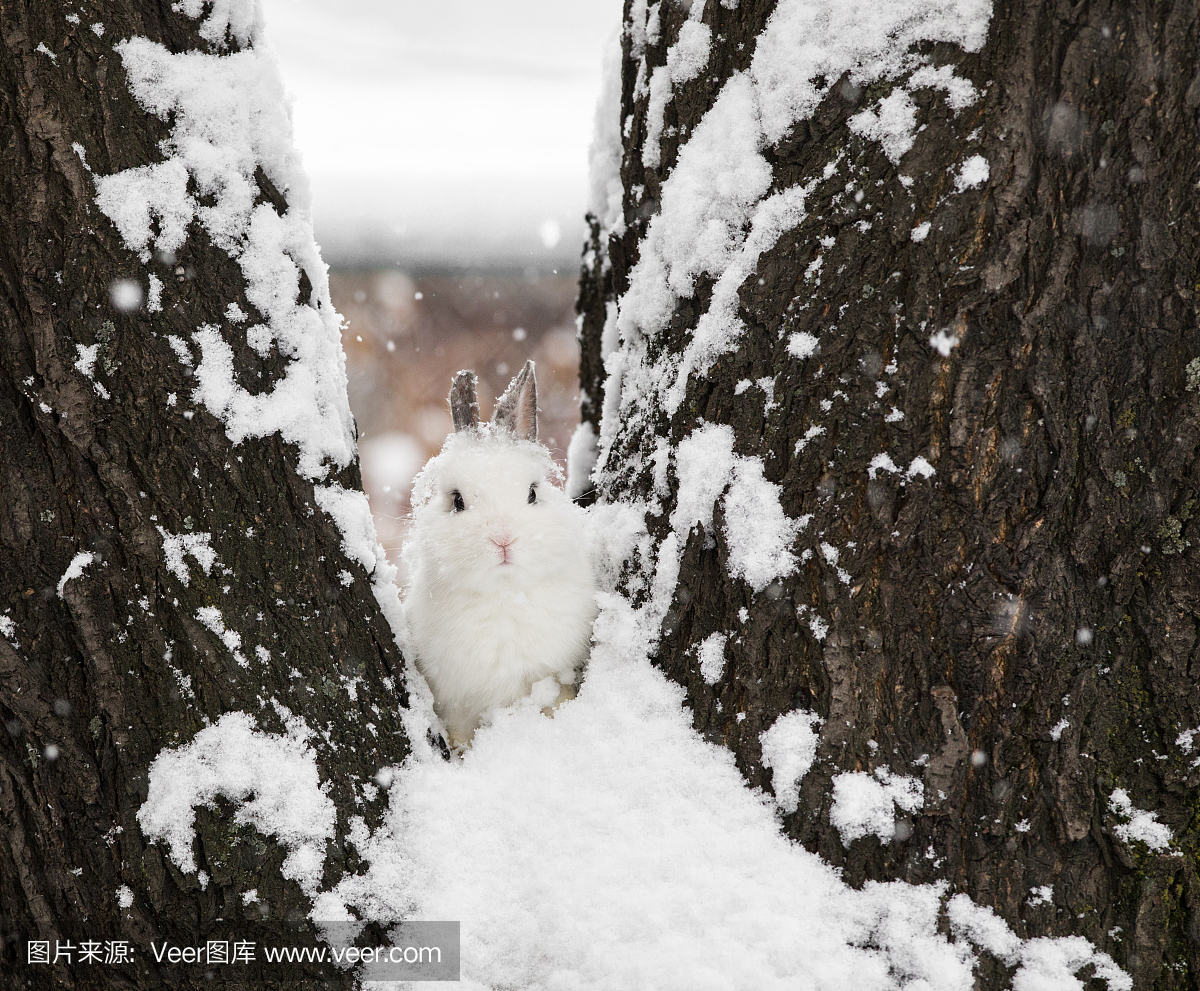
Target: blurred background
[(447, 148)]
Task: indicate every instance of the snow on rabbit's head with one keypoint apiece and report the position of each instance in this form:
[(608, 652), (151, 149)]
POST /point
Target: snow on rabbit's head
[(489, 512)]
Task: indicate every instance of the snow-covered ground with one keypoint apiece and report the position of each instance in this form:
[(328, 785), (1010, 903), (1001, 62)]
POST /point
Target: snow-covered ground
[(612, 847)]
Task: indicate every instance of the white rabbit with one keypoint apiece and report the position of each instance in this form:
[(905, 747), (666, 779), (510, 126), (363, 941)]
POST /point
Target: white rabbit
[(501, 593)]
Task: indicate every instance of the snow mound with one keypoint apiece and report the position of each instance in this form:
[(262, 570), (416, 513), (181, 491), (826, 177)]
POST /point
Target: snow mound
[(611, 847)]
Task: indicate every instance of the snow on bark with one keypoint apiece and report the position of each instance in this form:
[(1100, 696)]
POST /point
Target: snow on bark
[(211, 617), (865, 804), (711, 222), (194, 545), (240, 18), (75, 569), (1139, 825), (230, 119), (974, 173), (271, 778), (1042, 964), (686, 59), (606, 192), (758, 533), (789, 748), (711, 655)]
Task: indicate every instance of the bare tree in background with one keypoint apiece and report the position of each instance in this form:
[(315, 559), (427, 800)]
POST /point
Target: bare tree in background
[(101, 673), (1018, 625)]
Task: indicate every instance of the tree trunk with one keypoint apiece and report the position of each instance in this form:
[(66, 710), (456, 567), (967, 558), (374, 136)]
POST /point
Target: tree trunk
[(1017, 628), (126, 658)]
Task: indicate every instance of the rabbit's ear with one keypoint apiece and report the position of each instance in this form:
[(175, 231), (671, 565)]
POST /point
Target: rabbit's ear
[(516, 410), (464, 405)]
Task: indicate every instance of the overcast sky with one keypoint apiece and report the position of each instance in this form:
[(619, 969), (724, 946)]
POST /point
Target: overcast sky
[(445, 130)]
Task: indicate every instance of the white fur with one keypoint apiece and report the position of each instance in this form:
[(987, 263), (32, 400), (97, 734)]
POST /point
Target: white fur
[(485, 629)]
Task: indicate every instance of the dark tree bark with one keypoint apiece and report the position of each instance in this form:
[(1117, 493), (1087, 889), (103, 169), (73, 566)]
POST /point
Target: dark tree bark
[(88, 694), (1048, 570)]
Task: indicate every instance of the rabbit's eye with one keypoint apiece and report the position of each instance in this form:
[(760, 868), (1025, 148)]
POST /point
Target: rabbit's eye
[(459, 505), (533, 493)]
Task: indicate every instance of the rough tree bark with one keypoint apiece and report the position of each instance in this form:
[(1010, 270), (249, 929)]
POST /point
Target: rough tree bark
[(1019, 629), (94, 682)]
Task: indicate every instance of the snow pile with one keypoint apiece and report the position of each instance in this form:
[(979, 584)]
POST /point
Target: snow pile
[(1185, 742), (271, 778), (241, 18), (892, 122), (711, 223), (154, 302), (352, 513), (611, 847), (807, 41), (943, 342), (8, 630), (789, 748), (864, 804), (832, 555), (86, 366), (881, 462), (706, 202), (1140, 825), (802, 345), (1041, 895), (920, 468), (974, 173)]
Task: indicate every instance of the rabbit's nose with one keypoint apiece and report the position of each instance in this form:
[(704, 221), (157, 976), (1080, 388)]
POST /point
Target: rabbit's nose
[(502, 542)]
